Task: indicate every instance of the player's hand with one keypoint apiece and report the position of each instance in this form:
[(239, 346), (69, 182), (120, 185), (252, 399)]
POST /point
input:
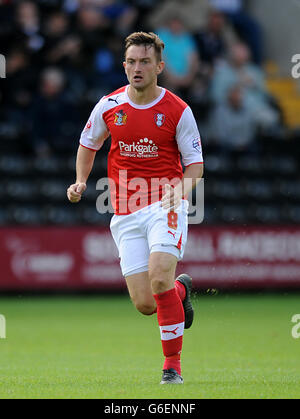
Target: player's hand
[(75, 192), (171, 198)]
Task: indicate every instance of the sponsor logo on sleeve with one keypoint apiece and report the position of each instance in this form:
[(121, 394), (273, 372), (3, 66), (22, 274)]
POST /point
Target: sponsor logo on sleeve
[(88, 125), (197, 145)]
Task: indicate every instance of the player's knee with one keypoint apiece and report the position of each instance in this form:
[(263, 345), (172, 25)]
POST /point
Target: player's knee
[(160, 277), (144, 308), (159, 280)]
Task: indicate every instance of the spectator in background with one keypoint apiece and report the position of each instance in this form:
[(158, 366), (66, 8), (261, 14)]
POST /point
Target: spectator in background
[(108, 68), (120, 14), (116, 14), (54, 117), (20, 75), (239, 70), (56, 29), (213, 42), (92, 27), (232, 123), (210, 42), (17, 92), (143, 8), (29, 26), (212, 48), (180, 56), (64, 49), (7, 26), (245, 25)]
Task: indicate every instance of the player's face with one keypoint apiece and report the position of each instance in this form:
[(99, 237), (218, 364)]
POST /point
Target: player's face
[(142, 66)]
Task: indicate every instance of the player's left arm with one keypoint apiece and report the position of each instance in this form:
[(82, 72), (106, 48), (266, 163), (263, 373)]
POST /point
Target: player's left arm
[(173, 196), (189, 145), (191, 177)]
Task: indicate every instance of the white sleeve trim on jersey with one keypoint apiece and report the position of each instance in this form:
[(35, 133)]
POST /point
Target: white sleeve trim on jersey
[(95, 131), (188, 138)]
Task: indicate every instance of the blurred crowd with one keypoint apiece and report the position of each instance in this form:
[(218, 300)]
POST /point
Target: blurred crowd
[(62, 56)]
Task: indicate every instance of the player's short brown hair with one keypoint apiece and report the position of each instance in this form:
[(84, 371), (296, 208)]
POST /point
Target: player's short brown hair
[(149, 39)]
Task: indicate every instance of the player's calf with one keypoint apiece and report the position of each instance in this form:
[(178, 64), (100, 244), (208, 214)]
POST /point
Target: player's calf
[(140, 293)]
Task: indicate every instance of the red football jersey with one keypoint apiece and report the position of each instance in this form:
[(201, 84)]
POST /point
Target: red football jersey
[(146, 143)]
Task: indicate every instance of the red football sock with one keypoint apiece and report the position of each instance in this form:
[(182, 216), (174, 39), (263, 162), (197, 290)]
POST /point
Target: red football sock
[(180, 289), (170, 317)]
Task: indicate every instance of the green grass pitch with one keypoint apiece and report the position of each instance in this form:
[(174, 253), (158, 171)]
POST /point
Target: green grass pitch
[(240, 346)]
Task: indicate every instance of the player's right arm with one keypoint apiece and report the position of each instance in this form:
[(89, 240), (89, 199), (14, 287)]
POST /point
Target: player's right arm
[(84, 165), (91, 140)]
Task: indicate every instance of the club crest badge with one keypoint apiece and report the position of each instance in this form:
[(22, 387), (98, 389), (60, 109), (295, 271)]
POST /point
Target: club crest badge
[(120, 118), (160, 119)]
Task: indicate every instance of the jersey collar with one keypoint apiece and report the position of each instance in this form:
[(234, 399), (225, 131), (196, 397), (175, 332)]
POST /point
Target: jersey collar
[(148, 105)]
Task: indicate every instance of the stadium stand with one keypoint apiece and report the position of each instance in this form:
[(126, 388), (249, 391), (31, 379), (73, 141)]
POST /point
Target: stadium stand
[(259, 185)]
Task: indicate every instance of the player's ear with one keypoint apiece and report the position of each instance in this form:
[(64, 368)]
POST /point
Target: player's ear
[(125, 67), (160, 67)]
